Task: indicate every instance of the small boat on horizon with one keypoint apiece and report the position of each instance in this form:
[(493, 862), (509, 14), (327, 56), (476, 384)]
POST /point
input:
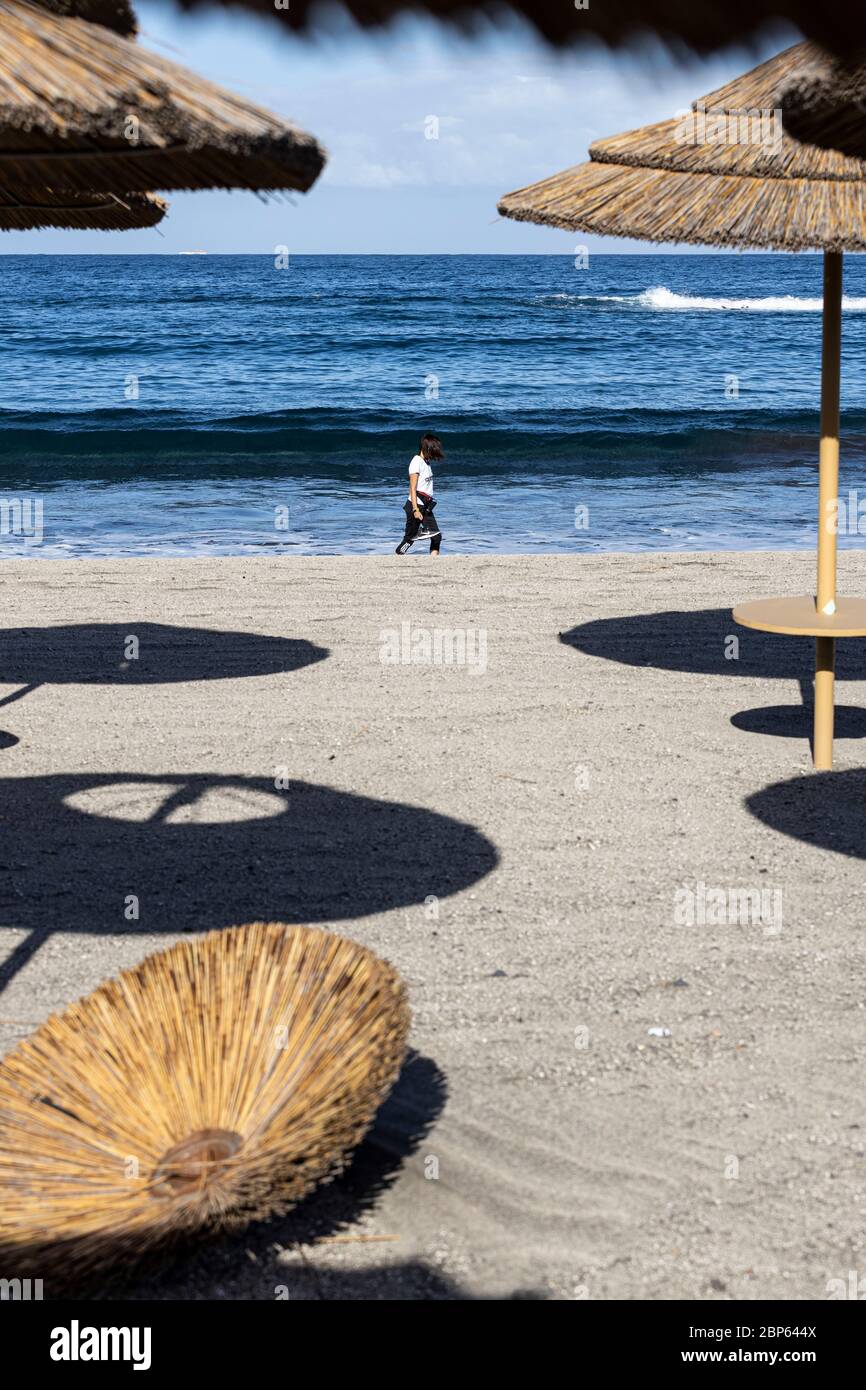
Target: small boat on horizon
[(192, 253)]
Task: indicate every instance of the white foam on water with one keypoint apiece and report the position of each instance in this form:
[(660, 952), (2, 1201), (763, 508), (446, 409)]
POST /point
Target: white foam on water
[(661, 299)]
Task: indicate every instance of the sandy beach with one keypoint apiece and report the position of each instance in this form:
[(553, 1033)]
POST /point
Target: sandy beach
[(532, 836)]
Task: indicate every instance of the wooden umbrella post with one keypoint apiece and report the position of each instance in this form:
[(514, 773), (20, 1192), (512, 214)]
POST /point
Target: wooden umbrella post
[(821, 615), (666, 182), (828, 507)]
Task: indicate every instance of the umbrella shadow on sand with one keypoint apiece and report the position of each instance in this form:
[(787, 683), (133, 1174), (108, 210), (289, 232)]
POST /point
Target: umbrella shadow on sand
[(123, 852), (140, 653), (136, 653), (697, 642), (824, 809)]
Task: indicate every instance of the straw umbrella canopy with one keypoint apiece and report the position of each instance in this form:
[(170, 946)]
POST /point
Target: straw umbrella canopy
[(727, 175), (99, 212), (825, 103), (705, 26), (83, 110), (216, 1083)]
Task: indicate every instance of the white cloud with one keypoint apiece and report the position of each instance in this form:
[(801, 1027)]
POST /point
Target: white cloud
[(366, 173)]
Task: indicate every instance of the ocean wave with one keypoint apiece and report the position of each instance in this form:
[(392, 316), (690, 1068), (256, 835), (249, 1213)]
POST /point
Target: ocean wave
[(329, 442), (355, 424), (660, 299)]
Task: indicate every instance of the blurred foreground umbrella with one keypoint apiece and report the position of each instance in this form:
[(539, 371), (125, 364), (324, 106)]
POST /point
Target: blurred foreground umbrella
[(826, 104), (83, 110), (704, 25), (100, 212), (726, 175), (216, 1083), (113, 14)]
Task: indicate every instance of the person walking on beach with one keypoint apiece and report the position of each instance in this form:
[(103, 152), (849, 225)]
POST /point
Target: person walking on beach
[(420, 521)]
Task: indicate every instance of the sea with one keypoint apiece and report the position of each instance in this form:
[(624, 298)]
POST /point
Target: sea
[(235, 405)]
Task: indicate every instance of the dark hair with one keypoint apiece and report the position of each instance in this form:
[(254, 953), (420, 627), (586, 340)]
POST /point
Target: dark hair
[(431, 447)]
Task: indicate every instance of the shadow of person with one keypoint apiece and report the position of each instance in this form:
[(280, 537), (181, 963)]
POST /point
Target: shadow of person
[(825, 809), (139, 653), (700, 643), (191, 851)]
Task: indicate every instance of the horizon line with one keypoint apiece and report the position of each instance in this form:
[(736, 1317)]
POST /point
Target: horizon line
[(432, 255)]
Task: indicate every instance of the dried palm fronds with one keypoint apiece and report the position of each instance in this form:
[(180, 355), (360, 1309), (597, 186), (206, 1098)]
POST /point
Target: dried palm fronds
[(701, 209), (716, 142), (215, 1083), (822, 99), (725, 174), (704, 25), (84, 110), (759, 86), (100, 212)]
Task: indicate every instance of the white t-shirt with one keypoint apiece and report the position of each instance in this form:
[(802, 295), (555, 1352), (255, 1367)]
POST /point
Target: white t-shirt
[(420, 466)]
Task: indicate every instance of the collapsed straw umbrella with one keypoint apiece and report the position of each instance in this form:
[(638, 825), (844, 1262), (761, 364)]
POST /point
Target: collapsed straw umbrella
[(214, 1084), (83, 110), (726, 175)]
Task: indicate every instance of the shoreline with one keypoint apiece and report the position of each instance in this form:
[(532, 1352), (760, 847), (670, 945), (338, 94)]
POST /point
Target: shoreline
[(846, 547)]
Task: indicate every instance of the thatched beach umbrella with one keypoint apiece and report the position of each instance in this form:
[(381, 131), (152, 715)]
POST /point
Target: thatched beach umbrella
[(214, 1084), (825, 103), (102, 212), (99, 212), (726, 175), (84, 110), (704, 25)]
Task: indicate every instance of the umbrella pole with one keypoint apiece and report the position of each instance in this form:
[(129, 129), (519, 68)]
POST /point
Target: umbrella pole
[(828, 496)]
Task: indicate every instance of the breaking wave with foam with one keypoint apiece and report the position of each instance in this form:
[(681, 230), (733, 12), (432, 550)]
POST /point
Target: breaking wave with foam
[(661, 299)]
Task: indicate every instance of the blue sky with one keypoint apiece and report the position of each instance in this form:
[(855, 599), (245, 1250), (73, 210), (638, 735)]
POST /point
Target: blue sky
[(509, 112)]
